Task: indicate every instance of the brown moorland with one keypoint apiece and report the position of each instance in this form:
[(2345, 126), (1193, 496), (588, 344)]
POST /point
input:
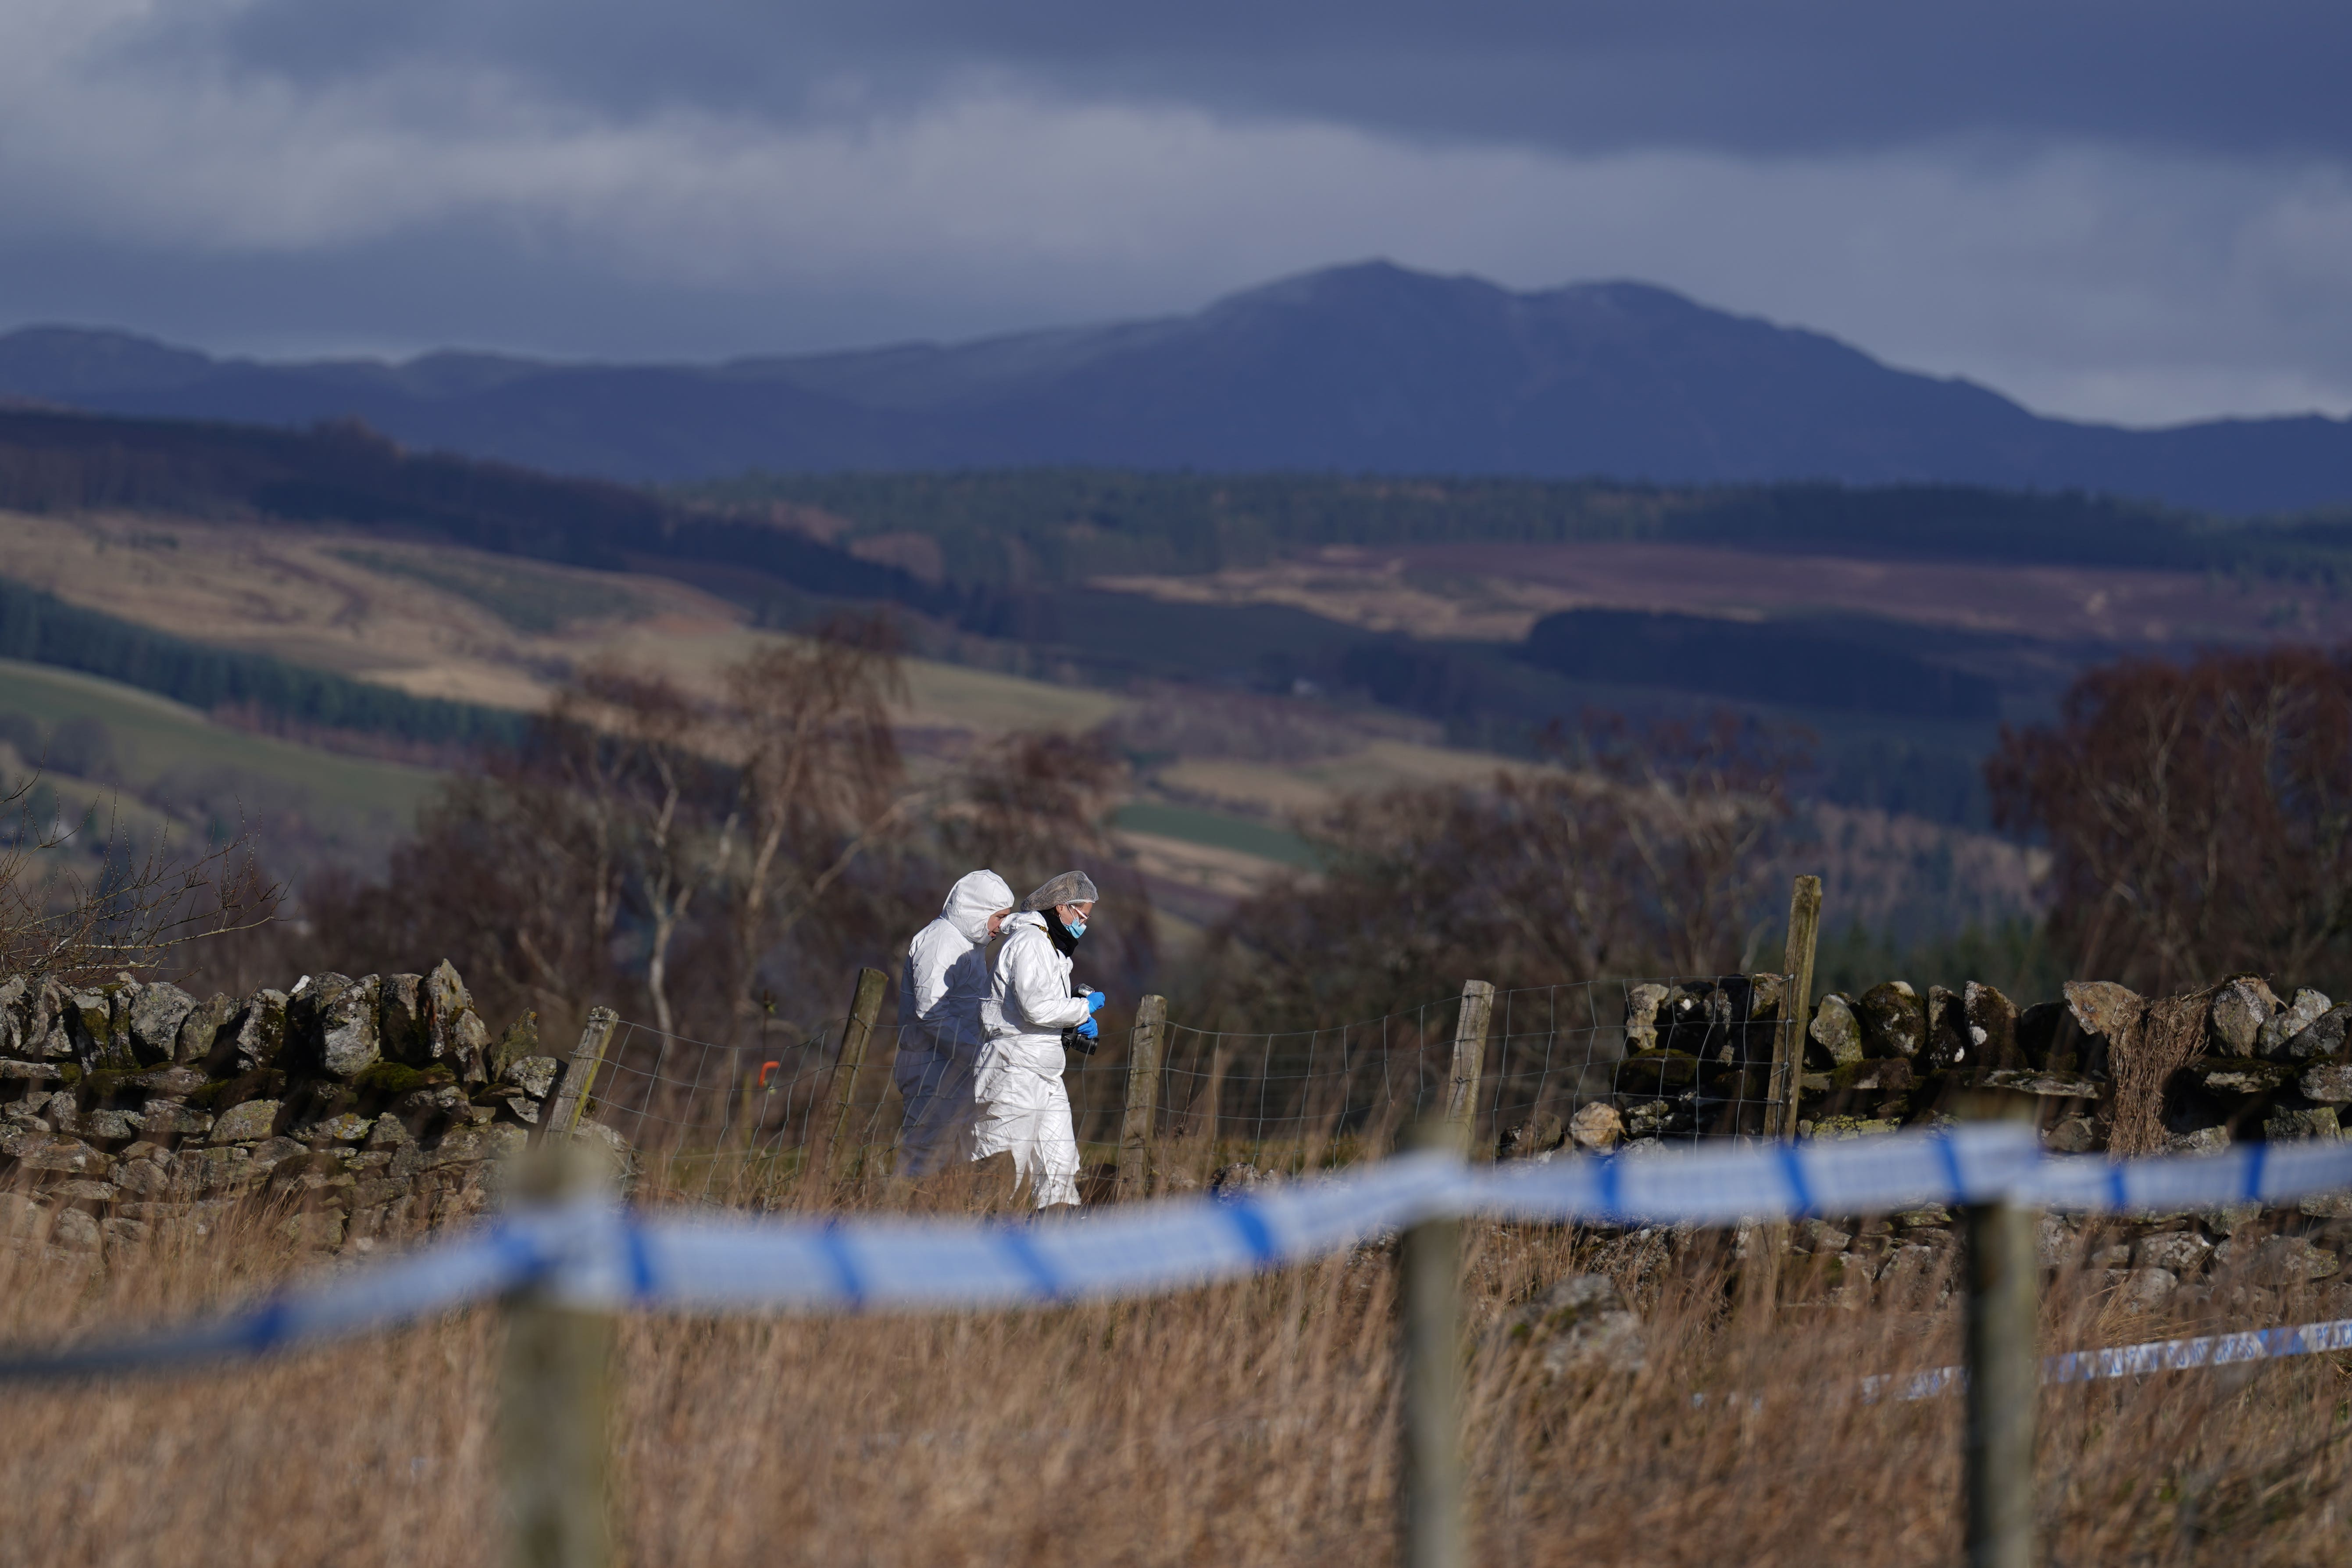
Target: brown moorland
[(1241, 1425)]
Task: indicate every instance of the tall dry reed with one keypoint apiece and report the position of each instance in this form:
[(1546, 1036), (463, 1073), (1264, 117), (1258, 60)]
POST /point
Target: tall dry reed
[(1246, 1424)]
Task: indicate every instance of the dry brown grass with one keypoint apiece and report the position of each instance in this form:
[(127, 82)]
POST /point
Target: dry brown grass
[(1246, 1424)]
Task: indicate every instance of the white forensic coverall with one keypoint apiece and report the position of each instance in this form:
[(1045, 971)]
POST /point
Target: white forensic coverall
[(1023, 1108), (939, 1025)]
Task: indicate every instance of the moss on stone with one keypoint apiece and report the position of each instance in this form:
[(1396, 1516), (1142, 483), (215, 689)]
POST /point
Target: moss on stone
[(391, 1079)]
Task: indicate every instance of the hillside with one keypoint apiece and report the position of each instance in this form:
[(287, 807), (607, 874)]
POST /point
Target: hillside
[(1361, 369)]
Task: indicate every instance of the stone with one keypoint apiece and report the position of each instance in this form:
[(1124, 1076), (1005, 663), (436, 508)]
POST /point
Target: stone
[(2144, 1289), (535, 1076), (90, 1024), (1819, 1236), (347, 1128), (2104, 1008), (245, 1123), (2327, 1205), (143, 1178), (272, 1153), (2041, 1081), (2291, 1259), (177, 1081), (199, 1030), (1992, 1026), (318, 1229), (1230, 1179), (1642, 1005), (1835, 1030), (35, 1072), (2271, 1039), (1836, 1128), (1597, 1127), (69, 1155), (2288, 1125), (1947, 1044), (2056, 1241), (404, 1030), (171, 1116), (73, 1228), (22, 1219), (445, 1000), (2203, 1141), (259, 1037), (2238, 1077), (2183, 1252), (2070, 1135), (347, 1043), (1912, 1277), (2230, 1218), (389, 1132), (1538, 1135), (19, 1035), (469, 1047), (111, 1126), (520, 1040), (121, 1232), (2240, 1007), (156, 1013), (1580, 1327), (81, 1190), (1927, 1214), (1894, 1024), (2330, 1083), (2322, 1038)]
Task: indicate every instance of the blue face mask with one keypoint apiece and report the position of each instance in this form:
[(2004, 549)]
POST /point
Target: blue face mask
[(1077, 928)]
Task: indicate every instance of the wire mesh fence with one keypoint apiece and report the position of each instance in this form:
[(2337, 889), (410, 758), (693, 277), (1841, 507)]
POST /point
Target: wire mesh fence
[(1600, 1064)]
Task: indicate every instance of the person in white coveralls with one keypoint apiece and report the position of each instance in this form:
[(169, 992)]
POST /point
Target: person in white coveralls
[(938, 1024), (1024, 1111)]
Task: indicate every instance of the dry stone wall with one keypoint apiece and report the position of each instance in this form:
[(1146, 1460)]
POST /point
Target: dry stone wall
[(2102, 1069), (342, 1111)]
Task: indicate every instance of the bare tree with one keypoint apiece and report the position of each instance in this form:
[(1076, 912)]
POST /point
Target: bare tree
[(1649, 856), (140, 908), (819, 778), (2200, 816)]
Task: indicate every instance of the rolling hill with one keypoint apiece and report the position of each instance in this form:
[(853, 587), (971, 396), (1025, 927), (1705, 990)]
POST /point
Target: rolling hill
[(1360, 369)]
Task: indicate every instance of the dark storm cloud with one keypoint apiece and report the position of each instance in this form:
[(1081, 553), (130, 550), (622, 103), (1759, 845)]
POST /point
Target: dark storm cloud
[(2138, 211), (1751, 76)]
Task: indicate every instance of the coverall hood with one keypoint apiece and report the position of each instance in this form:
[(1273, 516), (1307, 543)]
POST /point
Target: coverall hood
[(976, 896)]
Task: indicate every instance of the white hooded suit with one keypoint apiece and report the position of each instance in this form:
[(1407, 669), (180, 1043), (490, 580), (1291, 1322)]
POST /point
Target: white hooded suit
[(940, 1032), (1024, 1111)]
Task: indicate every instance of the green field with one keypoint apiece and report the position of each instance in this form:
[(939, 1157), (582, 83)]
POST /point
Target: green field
[(154, 736), (1193, 826)]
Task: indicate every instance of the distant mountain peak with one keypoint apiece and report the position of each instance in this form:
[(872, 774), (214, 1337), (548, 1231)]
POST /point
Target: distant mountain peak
[(1364, 367)]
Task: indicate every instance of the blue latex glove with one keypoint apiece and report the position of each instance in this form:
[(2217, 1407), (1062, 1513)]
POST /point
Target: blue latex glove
[(1094, 1000), (1089, 1029)]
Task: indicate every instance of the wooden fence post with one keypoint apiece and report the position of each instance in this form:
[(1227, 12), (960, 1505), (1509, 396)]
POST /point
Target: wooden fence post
[(865, 1006), (1469, 1060), (1143, 1048), (2004, 1372), (1796, 1007), (555, 1403), (580, 1073), (1429, 1287)]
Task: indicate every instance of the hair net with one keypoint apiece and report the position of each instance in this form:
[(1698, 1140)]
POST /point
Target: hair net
[(1069, 888)]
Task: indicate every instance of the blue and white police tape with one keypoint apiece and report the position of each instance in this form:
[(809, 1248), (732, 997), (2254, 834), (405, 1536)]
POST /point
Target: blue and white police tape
[(2196, 1354), (606, 1257)]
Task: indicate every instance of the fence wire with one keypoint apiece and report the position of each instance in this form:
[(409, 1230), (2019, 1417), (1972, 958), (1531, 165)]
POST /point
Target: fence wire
[(1668, 1060)]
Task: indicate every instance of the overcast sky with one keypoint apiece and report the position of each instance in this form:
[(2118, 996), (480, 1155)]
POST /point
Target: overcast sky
[(2135, 211)]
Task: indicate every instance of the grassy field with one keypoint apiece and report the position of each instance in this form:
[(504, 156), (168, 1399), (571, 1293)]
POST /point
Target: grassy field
[(154, 737), (1244, 1425)]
